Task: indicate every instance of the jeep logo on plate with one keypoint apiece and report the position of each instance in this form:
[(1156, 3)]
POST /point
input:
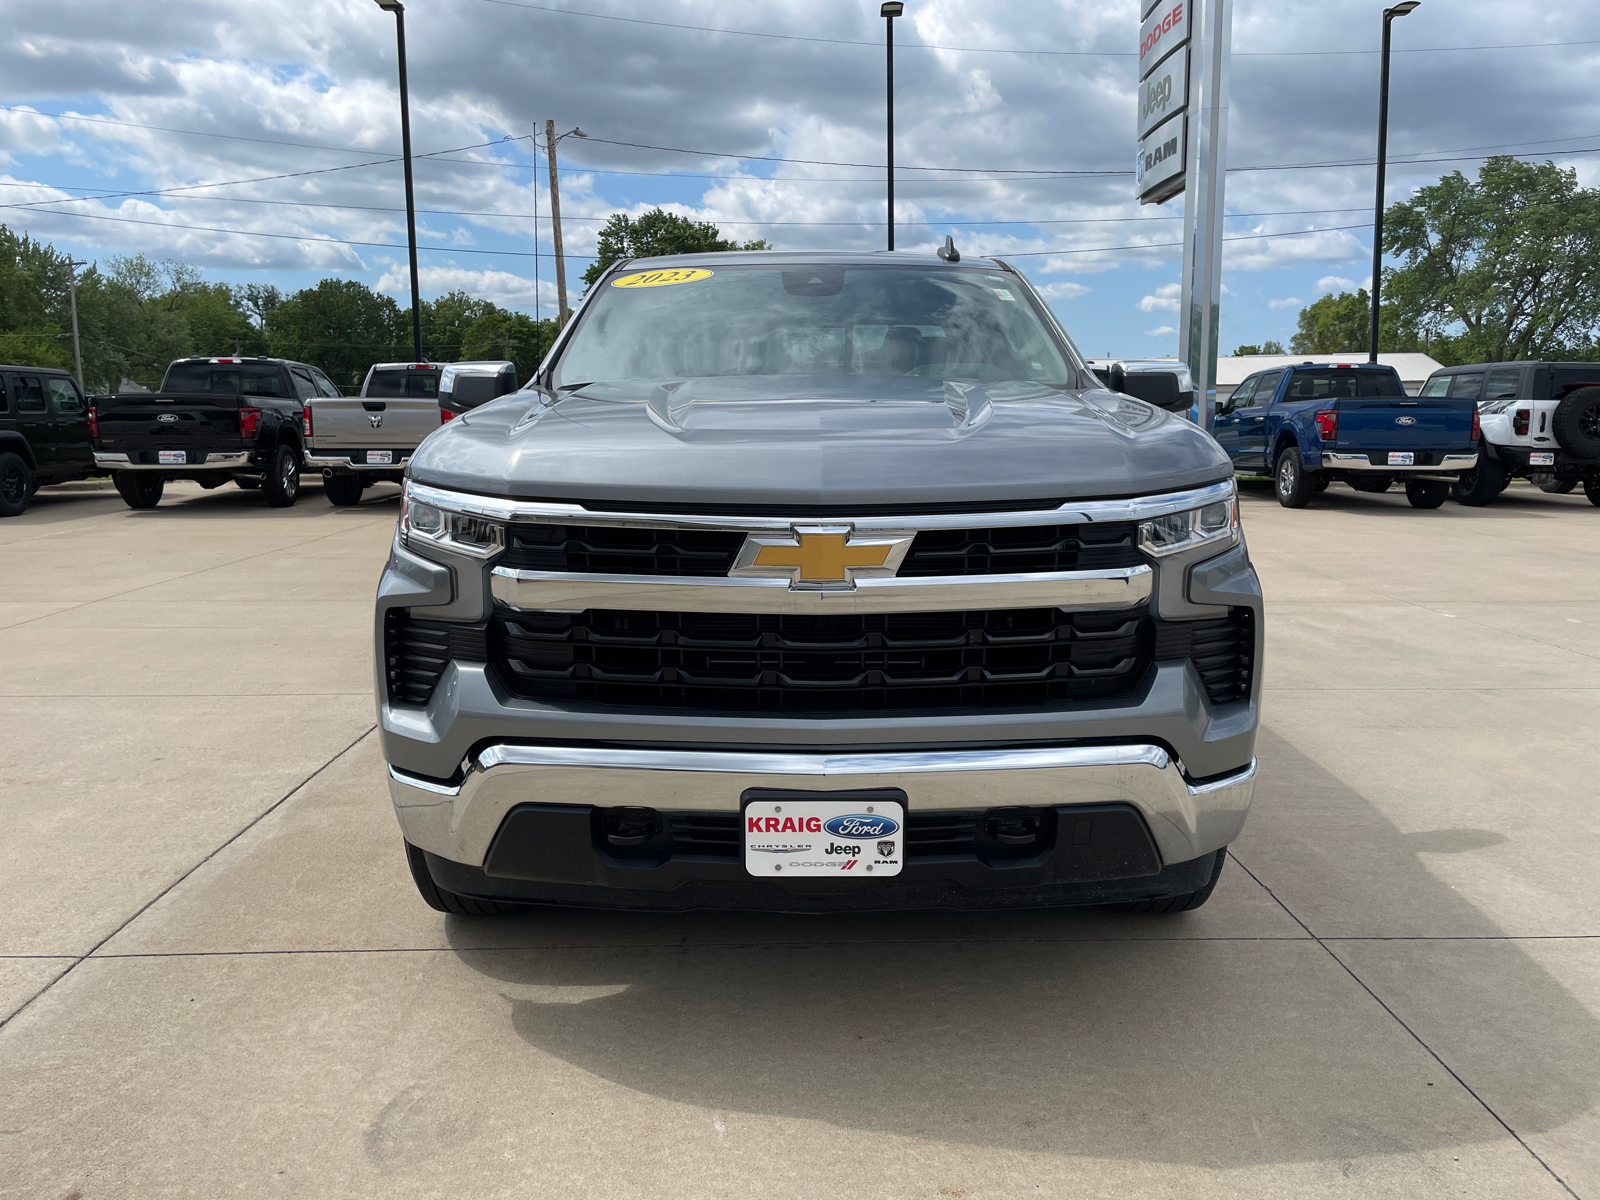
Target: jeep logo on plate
[(861, 825), (1405, 420)]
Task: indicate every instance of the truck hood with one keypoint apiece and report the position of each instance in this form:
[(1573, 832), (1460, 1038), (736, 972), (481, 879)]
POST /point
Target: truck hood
[(804, 441)]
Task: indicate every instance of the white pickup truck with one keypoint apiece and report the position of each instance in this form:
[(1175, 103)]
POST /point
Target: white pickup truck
[(1540, 421)]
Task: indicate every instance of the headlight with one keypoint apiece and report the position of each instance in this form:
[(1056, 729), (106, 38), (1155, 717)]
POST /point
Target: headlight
[(1217, 522), (459, 532)]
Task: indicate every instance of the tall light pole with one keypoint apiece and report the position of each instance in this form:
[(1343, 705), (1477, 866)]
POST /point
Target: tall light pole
[(550, 142), (399, 12), (889, 12), (72, 290), (1402, 9)]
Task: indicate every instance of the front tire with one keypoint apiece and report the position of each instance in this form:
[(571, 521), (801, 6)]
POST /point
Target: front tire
[(1291, 482), (139, 489), (16, 485), (1184, 901), (1427, 493), (440, 900), (343, 491), (1558, 487), (281, 484), (1482, 484)]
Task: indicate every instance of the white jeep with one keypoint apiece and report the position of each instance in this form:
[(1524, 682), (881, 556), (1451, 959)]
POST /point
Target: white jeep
[(1540, 421)]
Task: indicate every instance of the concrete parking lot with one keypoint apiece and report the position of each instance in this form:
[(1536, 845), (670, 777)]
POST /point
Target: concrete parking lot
[(217, 977)]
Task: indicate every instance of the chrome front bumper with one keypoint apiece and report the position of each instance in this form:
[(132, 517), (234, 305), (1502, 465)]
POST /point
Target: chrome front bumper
[(459, 821), (1449, 464), (232, 460)]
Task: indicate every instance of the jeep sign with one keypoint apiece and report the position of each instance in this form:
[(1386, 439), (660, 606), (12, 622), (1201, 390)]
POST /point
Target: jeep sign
[(1165, 91)]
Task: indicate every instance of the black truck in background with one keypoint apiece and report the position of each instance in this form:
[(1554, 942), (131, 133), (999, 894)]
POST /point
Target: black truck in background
[(213, 420)]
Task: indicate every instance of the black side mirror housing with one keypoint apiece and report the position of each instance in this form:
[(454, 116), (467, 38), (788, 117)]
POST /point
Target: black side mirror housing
[(1160, 388)]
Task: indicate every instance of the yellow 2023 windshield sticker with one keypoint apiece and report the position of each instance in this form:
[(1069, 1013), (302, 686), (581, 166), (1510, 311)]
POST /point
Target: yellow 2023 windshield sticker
[(662, 278)]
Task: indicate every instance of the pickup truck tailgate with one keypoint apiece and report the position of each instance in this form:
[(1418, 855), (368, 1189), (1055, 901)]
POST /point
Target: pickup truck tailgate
[(379, 423), (1439, 424), (145, 424)]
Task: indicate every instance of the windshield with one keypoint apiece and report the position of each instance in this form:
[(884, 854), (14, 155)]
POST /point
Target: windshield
[(1344, 383), (416, 383), (221, 379), (969, 325)]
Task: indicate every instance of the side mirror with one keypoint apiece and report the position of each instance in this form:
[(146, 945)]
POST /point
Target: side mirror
[(1164, 389)]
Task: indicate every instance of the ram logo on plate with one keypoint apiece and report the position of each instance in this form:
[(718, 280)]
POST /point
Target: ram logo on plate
[(861, 825)]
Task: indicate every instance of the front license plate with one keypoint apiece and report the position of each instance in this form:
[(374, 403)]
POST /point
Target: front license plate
[(172, 458), (1402, 458), (1542, 458), (380, 456), (845, 836)]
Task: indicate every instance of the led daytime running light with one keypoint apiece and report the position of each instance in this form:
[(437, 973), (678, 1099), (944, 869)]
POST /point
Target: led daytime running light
[(1212, 523)]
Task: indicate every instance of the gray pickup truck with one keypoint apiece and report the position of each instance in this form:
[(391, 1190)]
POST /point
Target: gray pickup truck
[(810, 582)]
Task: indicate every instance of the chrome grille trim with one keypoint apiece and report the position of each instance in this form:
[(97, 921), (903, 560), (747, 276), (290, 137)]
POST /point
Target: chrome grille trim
[(1138, 508)]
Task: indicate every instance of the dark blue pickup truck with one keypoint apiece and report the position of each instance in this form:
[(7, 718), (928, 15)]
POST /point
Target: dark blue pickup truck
[(1317, 423)]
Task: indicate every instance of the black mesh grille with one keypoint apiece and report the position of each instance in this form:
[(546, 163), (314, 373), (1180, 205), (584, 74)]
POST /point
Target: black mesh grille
[(416, 653), (1223, 651), (610, 551), (1024, 549), (784, 663)]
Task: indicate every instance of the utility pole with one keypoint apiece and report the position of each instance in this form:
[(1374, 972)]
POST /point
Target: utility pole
[(1405, 8), (889, 12), (72, 291), (555, 226), (398, 9)]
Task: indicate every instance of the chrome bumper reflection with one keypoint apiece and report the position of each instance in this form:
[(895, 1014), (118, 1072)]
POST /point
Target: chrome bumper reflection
[(459, 821), (215, 461), (336, 462), (1360, 462), (574, 592)]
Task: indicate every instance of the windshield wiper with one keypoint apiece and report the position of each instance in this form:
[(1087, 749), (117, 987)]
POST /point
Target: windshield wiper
[(572, 387)]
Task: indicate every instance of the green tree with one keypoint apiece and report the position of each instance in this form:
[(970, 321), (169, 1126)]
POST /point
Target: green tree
[(1503, 267), (656, 233), (510, 335), (1267, 347), (30, 334), (341, 326), (1342, 324), (445, 322)]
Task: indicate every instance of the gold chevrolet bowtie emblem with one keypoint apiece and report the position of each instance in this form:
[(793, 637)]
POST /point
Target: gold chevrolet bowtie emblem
[(822, 556)]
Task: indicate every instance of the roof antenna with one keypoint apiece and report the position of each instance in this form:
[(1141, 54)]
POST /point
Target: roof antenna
[(948, 251)]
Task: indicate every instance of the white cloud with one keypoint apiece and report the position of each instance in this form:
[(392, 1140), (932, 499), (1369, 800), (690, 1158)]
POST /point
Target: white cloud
[(503, 287), (1160, 331), (1065, 290), (1165, 299), (1286, 302), (1335, 283)]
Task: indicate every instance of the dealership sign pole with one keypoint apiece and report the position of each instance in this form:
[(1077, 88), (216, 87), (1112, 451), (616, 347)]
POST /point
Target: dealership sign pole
[(1184, 47)]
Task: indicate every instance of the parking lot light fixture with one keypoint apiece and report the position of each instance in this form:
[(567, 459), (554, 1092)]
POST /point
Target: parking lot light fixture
[(889, 12), (1404, 8), (399, 11)]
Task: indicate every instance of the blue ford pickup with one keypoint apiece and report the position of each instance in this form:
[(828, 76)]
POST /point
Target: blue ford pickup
[(1317, 423)]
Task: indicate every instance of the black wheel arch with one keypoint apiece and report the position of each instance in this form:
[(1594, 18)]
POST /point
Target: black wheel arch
[(16, 444)]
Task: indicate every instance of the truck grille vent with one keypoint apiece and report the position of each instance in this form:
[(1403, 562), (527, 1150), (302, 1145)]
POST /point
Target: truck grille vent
[(790, 663), (1024, 549), (598, 548), (416, 653), (711, 552), (1223, 651)]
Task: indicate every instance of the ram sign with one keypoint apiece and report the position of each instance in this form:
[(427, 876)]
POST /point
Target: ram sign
[(1162, 127)]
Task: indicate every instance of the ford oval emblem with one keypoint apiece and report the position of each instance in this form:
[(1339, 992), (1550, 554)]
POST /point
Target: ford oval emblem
[(1405, 420), (861, 825), (167, 417)]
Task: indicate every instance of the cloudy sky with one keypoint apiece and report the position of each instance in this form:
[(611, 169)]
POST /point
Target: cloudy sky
[(120, 120)]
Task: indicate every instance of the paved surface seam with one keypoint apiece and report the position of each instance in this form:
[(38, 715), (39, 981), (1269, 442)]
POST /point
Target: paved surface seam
[(145, 907), (1434, 1054)]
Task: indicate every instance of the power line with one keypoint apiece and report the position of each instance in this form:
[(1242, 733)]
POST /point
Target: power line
[(1245, 237), (793, 37), (521, 216), (998, 171), (232, 137)]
